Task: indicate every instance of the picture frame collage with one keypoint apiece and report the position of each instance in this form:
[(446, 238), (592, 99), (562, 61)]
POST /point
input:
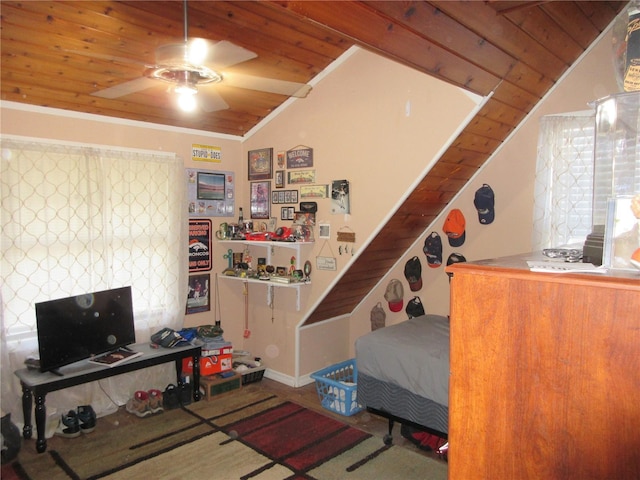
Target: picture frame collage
[(294, 168)]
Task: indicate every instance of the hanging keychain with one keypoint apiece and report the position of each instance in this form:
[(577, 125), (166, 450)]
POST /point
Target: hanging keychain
[(245, 292), (346, 235)]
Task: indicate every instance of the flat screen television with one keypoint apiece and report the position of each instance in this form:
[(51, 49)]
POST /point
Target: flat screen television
[(74, 328)]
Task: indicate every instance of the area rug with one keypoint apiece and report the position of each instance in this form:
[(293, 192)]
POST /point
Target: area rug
[(248, 435)]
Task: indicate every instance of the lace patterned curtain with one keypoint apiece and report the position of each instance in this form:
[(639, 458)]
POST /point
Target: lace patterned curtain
[(79, 219), (563, 198)]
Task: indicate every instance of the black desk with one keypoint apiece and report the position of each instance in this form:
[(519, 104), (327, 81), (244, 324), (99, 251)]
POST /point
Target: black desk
[(37, 384)]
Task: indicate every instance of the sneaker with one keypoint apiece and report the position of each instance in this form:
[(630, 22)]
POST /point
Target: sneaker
[(421, 439), (69, 426), (171, 397), (87, 418), (139, 404), (155, 401)]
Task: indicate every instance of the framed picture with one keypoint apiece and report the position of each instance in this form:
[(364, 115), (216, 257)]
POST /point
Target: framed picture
[(199, 294), (260, 205), (284, 213), (260, 164), (622, 233), (314, 191), (304, 218), (298, 177), (325, 231), (279, 178), (284, 196)]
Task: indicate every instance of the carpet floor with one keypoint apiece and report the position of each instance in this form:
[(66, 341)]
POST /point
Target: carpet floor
[(249, 434)]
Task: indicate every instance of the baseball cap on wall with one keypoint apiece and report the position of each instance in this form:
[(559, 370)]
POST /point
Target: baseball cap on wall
[(454, 227), (484, 202), (433, 250), (454, 258), (413, 273), (394, 295), (414, 308), (378, 317)]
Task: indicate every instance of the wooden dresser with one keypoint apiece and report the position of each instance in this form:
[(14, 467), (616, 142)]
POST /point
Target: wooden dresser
[(545, 373)]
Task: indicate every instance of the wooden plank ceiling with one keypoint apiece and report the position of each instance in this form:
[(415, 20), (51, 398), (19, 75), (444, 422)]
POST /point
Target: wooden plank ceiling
[(59, 53)]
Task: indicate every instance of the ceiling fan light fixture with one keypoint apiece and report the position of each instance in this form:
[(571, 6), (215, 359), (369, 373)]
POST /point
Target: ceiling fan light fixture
[(187, 101), (186, 85), (196, 51)]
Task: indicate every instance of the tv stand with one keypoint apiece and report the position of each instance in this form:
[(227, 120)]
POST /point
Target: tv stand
[(36, 384)]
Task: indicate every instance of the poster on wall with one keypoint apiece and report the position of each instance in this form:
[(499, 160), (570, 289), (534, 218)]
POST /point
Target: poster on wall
[(210, 193), (199, 294), (340, 201), (199, 245)]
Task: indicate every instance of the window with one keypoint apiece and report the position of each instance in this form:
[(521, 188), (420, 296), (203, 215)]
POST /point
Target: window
[(571, 193), (77, 219), (563, 199)]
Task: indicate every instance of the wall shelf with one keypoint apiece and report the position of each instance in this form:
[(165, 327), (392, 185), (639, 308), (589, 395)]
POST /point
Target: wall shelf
[(271, 246)]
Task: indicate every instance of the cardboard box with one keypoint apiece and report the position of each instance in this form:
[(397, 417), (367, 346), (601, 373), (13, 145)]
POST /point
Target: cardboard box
[(226, 349), (209, 365), (215, 385)]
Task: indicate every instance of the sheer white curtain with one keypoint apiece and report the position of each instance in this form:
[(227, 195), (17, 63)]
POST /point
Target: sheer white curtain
[(79, 219), (563, 198)]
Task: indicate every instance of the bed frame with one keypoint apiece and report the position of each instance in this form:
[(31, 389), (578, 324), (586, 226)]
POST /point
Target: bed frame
[(391, 400), (400, 405)]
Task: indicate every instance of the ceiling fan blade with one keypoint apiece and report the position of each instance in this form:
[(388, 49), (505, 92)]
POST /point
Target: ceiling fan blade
[(224, 54), (271, 85), (126, 88), (210, 101)]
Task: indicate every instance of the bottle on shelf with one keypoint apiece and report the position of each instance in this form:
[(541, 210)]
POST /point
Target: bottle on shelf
[(240, 217)]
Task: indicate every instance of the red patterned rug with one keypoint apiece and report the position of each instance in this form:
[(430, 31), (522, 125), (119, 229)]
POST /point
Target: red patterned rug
[(296, 437)]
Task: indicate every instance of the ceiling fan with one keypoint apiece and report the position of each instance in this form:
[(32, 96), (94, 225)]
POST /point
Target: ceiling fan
[(196, 64)]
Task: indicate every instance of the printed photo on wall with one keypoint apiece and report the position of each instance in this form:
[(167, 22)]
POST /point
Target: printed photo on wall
[(340, 197), (198, 298)]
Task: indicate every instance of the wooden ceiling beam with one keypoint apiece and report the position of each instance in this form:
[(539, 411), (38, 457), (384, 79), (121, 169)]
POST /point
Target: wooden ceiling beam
[(375, 32)]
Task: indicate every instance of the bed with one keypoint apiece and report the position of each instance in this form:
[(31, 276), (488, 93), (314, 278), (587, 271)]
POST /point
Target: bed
[(403, 373)]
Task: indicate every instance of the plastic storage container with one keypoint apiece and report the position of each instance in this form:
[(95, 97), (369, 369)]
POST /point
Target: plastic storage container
[(337, 387)]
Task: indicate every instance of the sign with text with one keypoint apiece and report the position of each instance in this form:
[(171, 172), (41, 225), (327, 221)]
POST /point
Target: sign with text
[(199, 245), (206, 153), (300, 157)]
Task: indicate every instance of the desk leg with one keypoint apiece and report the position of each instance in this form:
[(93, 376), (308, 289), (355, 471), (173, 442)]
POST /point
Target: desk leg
[(41, 423), (196, 378), (195, 381), (27, 397)]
